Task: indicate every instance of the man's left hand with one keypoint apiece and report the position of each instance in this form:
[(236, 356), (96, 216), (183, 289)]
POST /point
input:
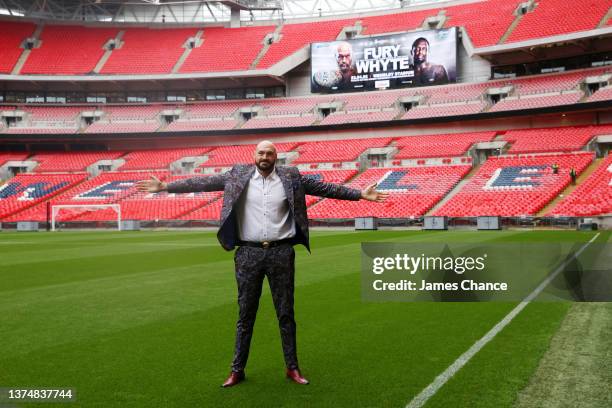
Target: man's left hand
[(371, 194)]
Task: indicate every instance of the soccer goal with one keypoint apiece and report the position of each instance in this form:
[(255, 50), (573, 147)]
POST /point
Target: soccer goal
[(79, 209)]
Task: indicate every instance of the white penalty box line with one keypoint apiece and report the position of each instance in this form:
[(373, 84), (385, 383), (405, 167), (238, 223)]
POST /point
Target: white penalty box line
[(429, 391)]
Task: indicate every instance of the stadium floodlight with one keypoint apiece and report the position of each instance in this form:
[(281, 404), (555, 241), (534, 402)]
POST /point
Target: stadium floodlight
[(78, 209)]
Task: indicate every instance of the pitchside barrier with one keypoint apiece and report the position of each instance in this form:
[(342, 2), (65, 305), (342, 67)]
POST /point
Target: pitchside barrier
[(488, 223), (603, 222), (27, 226), (367, 223), (435, 223)]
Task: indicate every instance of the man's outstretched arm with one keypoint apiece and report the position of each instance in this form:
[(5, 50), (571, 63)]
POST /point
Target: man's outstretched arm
[(189, 185), (330, 190)]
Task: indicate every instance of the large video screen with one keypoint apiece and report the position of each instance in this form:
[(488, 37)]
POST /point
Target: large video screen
[(392, 61)]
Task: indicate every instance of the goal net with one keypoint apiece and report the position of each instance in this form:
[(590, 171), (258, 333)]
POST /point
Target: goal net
[(84, 212)]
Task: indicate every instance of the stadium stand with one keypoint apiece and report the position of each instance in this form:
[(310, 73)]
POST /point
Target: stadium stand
[(283, 106), (123, 127), (12, 35), (520, 183), (159, 206), (25, 190), (536, 101), (45, 119), (602, 94), (563, 139), (53, 113), (592, 197), (457, 93), (547, 83), (356, 117), (209, 212), (368, 100), (219, 109), (447, 145), (529, 92), (72, 161), (211, 124), (514, 186), (413, 191), (148, 51), (544, 20), (397, 22), (106, 188), (59, 54), (131, 112), (158, 159), (297, 35), (439, 110), (486, 22), (39, 130), (223, 156), (337, 150), (226, 49), (260, 122), (6, 157), (149, 209)]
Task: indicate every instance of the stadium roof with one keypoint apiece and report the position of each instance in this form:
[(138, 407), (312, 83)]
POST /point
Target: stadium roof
[(193, 11)]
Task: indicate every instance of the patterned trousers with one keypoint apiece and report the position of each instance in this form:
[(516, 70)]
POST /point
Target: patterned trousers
[(252, 264)]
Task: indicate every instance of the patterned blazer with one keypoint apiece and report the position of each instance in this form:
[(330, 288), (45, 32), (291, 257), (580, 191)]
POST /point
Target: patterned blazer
[(232, 183)]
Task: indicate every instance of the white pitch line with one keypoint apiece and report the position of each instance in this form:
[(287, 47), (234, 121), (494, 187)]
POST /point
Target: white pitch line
[(429, 391)]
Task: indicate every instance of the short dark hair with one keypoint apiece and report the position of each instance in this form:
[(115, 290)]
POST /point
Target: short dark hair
[(418, 40)]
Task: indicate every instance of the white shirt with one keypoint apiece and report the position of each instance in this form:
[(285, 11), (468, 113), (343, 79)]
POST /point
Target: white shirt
[(263, 210)]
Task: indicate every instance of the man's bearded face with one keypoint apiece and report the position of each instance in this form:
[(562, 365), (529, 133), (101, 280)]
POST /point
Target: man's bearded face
[(265, 157), (420, 52), (344, 58)]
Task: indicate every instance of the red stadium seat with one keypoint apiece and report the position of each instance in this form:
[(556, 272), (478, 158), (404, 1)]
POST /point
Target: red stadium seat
[(591, 197), (158, 159), (414, 147), (337, 150), (58, 54), (27, 190), (555, 17), (148, 51), (12, 35), (216, 56), (230, 155), (564, 139), (73, 161), (414, 191), (514, 186)]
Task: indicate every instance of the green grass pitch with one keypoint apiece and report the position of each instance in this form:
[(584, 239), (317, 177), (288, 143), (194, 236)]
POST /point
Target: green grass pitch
[(146, 319)]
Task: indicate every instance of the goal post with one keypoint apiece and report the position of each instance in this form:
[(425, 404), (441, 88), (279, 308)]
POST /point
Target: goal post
[(83, 208)]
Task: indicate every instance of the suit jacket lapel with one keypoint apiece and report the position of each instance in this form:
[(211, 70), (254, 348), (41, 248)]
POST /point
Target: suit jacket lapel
[(242, 181), (287, 185), (233, 191)]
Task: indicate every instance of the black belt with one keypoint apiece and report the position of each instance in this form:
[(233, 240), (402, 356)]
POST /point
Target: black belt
[(266, 244)]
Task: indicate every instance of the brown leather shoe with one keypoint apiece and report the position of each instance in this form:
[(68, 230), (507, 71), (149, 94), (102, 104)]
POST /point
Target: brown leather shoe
[(296, 377), (234, 378)]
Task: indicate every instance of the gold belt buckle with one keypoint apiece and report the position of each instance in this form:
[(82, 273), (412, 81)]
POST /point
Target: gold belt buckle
[(265, 244)]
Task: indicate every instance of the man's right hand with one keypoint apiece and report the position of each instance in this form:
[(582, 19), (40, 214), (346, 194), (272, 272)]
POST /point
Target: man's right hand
[(153, 185)]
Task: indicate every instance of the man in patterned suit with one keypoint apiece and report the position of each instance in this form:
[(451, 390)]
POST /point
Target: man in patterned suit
[(264, 215)]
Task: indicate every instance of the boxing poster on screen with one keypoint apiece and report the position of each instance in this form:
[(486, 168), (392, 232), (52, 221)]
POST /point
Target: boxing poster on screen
[(392, 61)]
